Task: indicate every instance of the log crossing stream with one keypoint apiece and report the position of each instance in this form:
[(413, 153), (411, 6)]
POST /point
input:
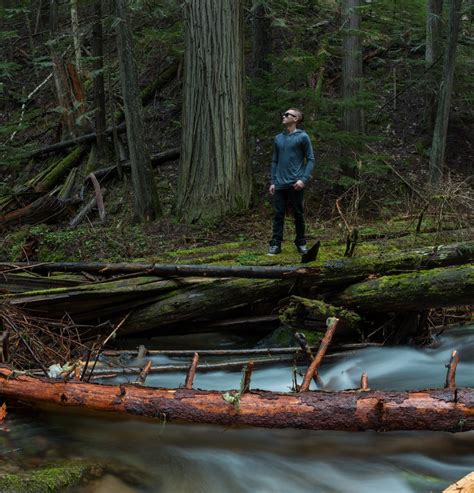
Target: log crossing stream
[(189, 458)]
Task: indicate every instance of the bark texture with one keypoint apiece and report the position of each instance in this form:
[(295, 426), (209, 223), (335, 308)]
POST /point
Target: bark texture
[(438, 146), (146, 204), (441, 410), (352, 66), (215, 175)]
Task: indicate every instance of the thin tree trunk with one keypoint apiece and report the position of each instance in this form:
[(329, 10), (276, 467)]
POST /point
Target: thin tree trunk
[(262, 38), (433, 54), (438, 147), (352, 67), (76, 35), (99, 91), (146, 204), (215, 174)]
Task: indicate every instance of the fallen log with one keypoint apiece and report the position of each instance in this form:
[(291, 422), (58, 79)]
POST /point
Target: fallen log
[(414, 291), (438, 410), (94, 300), (329, 273), (43, 210), (210, 298)]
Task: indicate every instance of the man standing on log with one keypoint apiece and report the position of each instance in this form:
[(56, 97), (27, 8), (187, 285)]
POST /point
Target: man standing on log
[(292, 165)]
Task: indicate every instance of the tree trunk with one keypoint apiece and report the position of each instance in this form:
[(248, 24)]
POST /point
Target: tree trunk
[(352, 67), (262, 38), (434, 288), (99, 91), (215, 175), (441, 410), (438, 146), (76, 35), (433, 54), (434, 31), (146, 204)]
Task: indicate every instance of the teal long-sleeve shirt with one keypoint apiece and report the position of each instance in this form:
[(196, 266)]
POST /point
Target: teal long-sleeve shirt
[(293, 159)]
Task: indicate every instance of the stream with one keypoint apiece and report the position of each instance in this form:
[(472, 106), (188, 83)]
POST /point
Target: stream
[(200, 458)]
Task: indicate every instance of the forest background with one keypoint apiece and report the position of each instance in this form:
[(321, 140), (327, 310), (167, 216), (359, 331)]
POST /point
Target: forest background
[(196, 89)]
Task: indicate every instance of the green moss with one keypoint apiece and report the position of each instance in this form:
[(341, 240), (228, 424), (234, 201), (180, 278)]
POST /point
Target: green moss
[(51, 478)]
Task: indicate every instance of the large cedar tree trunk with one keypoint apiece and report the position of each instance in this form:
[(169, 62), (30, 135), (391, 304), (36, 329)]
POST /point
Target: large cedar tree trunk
[(146, 204), (438, 146), (215, 175)]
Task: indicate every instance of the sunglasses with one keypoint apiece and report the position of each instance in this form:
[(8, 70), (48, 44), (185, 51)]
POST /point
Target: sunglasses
[(289, 114)]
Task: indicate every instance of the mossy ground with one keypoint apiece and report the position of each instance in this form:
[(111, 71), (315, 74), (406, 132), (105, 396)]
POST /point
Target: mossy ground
[(240, 239)]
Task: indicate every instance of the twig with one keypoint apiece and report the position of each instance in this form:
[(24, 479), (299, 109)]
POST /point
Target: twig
[(364, 381), (188, 384), (313, 368), (451, 374), (143, 374), (301, 338), (247, 377), (112, 334)]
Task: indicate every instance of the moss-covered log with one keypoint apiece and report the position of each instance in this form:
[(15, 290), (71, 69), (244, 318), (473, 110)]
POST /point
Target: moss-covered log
[(441, 410), (337, 272), (48, 178), (303, 311), (91, 301), (411, 292), (204, 300)]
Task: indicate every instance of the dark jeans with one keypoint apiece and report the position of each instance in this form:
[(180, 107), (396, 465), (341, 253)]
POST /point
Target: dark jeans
[(281, 200)]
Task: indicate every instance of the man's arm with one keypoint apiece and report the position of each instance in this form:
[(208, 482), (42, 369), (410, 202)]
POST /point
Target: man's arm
[(309, 155), (274, 167)]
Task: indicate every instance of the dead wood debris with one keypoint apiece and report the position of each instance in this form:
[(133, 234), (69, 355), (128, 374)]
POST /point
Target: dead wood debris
[(28, 341)]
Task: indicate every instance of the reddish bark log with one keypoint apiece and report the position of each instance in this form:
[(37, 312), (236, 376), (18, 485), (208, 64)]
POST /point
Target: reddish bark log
[(446, 410)]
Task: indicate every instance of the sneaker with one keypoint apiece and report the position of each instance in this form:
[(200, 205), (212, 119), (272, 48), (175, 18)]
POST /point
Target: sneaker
[(274, 250), (302, 249)]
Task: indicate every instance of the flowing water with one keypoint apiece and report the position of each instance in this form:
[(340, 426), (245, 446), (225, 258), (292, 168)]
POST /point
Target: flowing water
[(199, 458)]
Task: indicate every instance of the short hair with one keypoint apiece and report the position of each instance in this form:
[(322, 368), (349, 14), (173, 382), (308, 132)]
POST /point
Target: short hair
[(299, 113)]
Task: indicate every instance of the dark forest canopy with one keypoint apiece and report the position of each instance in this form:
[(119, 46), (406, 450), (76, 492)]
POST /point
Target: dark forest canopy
[(386, 87)]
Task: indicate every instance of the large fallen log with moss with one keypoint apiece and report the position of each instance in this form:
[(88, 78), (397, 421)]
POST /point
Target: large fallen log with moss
[(329, 273), (441, 410), (434, 288)]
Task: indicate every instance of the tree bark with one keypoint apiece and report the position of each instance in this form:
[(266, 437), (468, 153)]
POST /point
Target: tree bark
[(262, 38), (75, 34), (215, 175), (434, 31), (146, 203), (433, 54), (352, 67), (438, 146), (438, 410), (99, 90)]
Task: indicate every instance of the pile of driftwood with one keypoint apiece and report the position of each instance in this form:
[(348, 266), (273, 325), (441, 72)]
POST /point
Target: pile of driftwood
[(377, 293)]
